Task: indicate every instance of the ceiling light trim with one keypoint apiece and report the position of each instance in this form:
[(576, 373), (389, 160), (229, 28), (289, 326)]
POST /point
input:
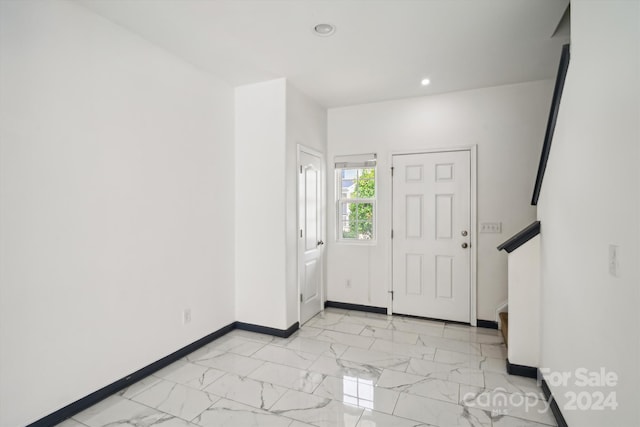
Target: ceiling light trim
[(324, 29)]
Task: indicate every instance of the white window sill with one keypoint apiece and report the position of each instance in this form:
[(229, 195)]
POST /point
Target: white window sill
[(371, 242)]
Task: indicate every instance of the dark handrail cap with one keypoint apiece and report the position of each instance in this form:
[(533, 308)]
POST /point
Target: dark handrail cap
[(520, 238)]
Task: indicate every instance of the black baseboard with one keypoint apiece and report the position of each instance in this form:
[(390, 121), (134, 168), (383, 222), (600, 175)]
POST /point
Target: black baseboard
[(282, 333), (521, 370), (355, 307), (95, 397), (432, 319), (555, 409), (489, 324)]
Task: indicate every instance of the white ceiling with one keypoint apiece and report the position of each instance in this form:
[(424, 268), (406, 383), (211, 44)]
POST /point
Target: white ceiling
[(381, 49)]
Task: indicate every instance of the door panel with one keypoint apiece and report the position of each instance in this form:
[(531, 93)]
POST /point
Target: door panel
[(414, 216), (414, 274), (444, 276), (311, 208), (431, 209), (443, 219), (311, 277), (310, 237)]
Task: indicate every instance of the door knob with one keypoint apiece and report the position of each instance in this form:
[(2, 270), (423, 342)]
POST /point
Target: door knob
[(320, 243), (465, 245), (464, 233)]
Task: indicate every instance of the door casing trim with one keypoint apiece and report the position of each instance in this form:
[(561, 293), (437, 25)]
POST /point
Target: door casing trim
[(473, 232)]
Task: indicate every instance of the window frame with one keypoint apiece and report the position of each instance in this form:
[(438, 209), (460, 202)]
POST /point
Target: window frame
[(341, 201)]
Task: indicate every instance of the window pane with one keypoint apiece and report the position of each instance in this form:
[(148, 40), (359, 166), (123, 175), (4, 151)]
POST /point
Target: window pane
[(348, 182), (347, 232), (366, 184), (360, 222), (366, 173), (349, 174), (357, 183)]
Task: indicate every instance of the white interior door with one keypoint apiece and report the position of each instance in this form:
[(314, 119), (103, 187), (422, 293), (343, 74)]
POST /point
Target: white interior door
[(431, 235), (310, 243)]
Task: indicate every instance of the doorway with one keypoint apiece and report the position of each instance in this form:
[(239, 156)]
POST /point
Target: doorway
[(310, 237), (433, 233)]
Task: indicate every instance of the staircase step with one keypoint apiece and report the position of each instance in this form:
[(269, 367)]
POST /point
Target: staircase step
[(504, 320)]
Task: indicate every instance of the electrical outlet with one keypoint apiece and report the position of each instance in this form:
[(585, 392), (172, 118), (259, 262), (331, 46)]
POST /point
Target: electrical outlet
[(491, 227), (186, 316)]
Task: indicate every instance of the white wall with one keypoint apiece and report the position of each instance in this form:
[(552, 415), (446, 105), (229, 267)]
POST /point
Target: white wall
[(116, 186), (507, 123), (306, 125), (524, 304), (260, 204), (590, 200), (272, 118)]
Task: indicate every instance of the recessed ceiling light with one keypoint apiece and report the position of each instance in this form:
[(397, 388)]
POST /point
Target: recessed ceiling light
[(425, 82), (324, 30)]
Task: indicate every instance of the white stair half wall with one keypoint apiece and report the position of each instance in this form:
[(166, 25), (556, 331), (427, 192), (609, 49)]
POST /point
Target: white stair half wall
[(524, 304)]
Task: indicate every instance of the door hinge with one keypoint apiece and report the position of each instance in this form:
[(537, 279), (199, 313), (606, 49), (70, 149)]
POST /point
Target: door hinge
[(391, 292), (392, 233), (301, 233), (301, 299), (391, 170), (300, 169)]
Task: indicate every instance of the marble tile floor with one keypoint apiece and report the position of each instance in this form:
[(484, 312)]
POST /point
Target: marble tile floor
[(343, 368)]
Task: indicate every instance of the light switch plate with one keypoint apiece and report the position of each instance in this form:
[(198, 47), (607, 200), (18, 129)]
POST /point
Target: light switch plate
[(491, 227)]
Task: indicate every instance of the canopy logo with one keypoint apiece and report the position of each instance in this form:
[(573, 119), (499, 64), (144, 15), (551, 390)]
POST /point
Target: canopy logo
[(501, 402)]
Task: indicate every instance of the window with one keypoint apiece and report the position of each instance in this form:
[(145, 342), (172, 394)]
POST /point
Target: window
[(356, 191)]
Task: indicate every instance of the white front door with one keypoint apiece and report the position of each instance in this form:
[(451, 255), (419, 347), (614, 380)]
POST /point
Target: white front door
[(431, 235), (310, 242)]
